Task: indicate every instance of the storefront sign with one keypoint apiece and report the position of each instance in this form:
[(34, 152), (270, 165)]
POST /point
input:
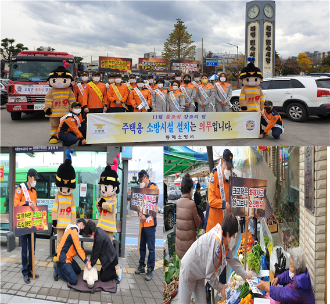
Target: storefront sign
[(27, 221), (1, 173), (153, 127), (83, 190), (38, 149), (309, 178), (184, 66), (25, 89), (247, 196), (144, 200), (153, 65), (115, 64)]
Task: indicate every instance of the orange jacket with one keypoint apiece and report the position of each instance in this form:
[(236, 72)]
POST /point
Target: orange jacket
[(130, 88), (70, 246), (69, 124), (151, 221), (171, 89), (216, 205), (77, 93), (136, 101), (20, 199), (112, 96), (92, 100), (272, 119)]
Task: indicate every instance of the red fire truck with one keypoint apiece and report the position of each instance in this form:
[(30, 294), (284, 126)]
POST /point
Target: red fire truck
[(28, 73)]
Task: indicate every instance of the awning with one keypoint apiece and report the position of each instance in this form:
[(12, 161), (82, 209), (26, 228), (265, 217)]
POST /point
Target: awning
[(181, 159)]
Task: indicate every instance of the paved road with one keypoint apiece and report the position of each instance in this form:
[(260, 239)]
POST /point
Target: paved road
[(33, 130)]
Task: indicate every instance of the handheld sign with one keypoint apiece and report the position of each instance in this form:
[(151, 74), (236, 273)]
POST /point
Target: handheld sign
[(145, 200)]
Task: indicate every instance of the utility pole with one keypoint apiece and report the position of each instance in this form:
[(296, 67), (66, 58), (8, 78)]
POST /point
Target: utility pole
[(237, 69), (202, 56)]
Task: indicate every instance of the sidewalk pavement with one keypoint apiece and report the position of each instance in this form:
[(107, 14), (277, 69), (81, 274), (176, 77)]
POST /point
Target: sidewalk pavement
[(132, 288)]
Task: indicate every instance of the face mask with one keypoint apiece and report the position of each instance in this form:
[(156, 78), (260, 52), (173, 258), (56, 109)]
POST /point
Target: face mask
[(97, 79), (118, 80), (76, 111), (85, 78), (140, 85), (81, 232), (177, 78), (132, 80), (59, 85), (197, 79), (186, 81), (175, 88), (160, 85), (111, 80), (268, 110), (252, 83), (291, 275), (223, 79), (227, 174), (205, 80), (151, 80), (232, 243), (33, 184), (142, 185)]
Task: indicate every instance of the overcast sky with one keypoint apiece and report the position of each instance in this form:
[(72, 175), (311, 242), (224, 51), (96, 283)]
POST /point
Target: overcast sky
[(130, 29)]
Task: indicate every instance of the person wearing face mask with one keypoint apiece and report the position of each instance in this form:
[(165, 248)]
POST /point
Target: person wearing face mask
[(187, 219), (72, 127), (223, 93), (148, 232), (205, 95), (141, 98), (197, 81), (175, 99), (178, 78), (151, 87), (271, 120), (64, 207), (96, 96), (117, 96), (206, 259), (131, 85), (159, 102), (26, 195), (296, 282), (80, 88), (189, 94)]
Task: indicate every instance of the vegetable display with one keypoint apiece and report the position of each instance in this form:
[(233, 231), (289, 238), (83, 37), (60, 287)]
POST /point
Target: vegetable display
[(253, 262), (244, 289), (172, 269)]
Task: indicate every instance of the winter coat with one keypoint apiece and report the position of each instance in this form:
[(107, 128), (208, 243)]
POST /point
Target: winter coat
[(187, 222), (297, 290)]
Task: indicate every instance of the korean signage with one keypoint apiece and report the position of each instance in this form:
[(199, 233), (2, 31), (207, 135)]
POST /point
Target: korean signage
[(309, 178), (115, 64), (1, 173), (144, 200), (210, 62), (83, 190), (184, 66), (253, 33), (27, 221), (181, 126), (38, 149), (25, 89), (153, 65), (268, 49), (247, 196)]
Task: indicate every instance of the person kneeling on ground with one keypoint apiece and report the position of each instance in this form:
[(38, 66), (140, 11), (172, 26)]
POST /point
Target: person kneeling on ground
[(298, 286), (65, 266), (72, 127), (271, 120), (103, 250)]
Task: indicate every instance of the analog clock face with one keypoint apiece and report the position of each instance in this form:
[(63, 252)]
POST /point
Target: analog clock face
[(253, 11), (268, 11)]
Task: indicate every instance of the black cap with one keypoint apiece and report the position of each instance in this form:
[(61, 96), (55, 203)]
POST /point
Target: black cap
[(150, 76), (81, 220), (76, 104), (142, 174), (109, 177), (96, 73), (116, 75), (250, 70), (60, 72), (84, 73), (111, 75), (139, 80), (132, 76), (268, 103), (228, 157), (178, 74), (66, 175), (33, 172)]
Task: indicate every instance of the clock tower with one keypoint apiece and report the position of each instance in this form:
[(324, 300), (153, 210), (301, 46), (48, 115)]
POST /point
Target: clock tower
[(260, 35)]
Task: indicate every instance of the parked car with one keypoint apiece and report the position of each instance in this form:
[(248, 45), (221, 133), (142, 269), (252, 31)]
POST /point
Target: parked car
[(4, 93), (170, 199), (297, 96)]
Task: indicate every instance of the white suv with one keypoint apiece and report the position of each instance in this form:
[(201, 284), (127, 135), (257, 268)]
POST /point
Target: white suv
[(297, 96)]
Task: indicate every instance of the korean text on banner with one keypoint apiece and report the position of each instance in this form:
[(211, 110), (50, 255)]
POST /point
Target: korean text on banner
[(247, 196), (144, 200), (27, 221), (164, 126)]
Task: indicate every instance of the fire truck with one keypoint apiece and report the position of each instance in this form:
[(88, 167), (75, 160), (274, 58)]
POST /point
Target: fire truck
[(28, 73)]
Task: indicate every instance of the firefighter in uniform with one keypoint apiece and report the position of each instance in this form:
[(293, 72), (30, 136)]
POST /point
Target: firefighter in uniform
[(64, 208), (151, 87), (26, 195), (72, 127), (107, 203), (117, 96), (189, 94), (271, 120), (130, 86), (159, 102), (58, 99), (223, 93), (175, 98), (140, 96), (148, 232), (96, 95), (197, 81), (81, 88), (205, 95)]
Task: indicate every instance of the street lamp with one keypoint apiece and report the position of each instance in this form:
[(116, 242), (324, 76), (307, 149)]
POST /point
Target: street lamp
[(237, 63)]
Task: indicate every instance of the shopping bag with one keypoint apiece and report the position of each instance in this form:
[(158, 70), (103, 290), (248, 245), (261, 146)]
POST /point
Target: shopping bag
[(273, 259), (265, 233)]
